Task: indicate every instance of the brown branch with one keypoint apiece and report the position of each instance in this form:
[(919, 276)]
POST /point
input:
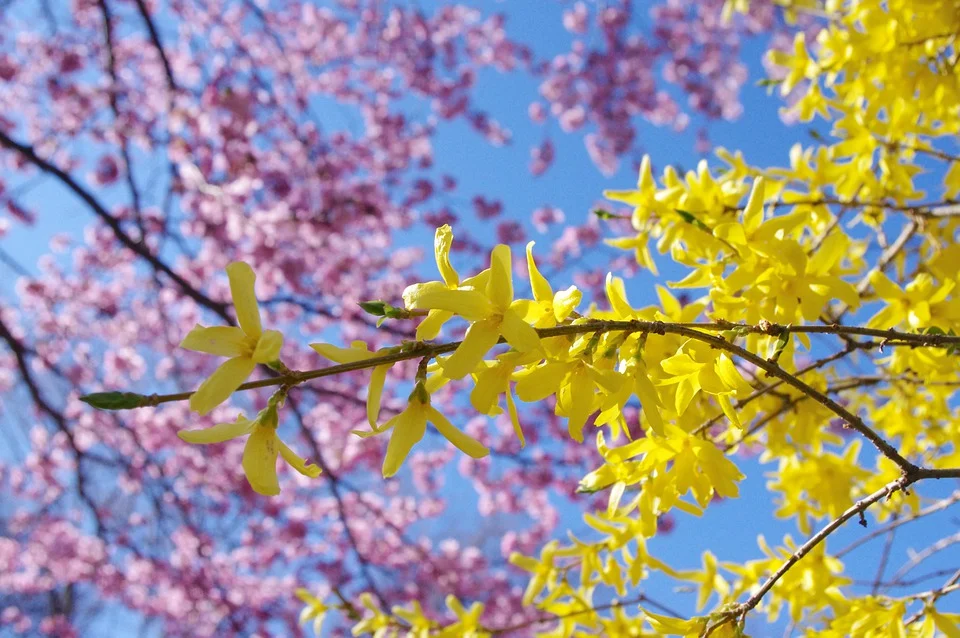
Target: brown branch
[(638, 600), (29, 153), (333, 482), (690, 330), (939, 506), (157, 44), (855, 510), (926, 553), (953, 584), (20, 354), (884, 559), (115, 108)]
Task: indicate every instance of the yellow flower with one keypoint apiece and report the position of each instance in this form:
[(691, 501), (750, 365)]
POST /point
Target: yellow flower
[(468, 620), (544, 573), (429, 328), (358, 351), (261, 451), (492, 313), (550, 308), (410, 425), (697, 367), (667, 625), (315, 609), (911, 304), (575, 383), (246, 346), (494, 380)]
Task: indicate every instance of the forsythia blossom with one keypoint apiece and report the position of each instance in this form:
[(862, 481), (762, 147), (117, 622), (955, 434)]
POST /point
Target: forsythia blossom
[(246, 346), (492, 313), (261, 451), (410, 425)]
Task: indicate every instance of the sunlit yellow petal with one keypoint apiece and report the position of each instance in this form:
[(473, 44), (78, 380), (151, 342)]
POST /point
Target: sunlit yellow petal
[(582, 405), (429, 328), (307, 469), (218, 433), (469, 304), (221, 384), (463, 442), (649, 400), (374, 393), (223, 341), (391, 422), (441, 248), (541, 289), (514, 417), (480, 338), (500, 286), (727, 406), (565, 302), (518, 333), (486, 392), (884, 288), (541, 382), (409, 428), (728, 372), (531, 311), (617, 296), (342, 355), (268, 347), (260, 461), (753, 213), (242, 279)]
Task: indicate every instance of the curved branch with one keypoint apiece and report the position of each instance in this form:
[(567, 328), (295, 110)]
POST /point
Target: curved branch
[(139, 248)]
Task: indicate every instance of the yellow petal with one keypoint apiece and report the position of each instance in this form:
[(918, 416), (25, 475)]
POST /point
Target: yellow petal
[(500, 286), (374, 393), (541, 382), (441, 248), (649, 400), (486, 392), (429, 328), (297, 463), (469, 304), (581, 406), (565, 302), (728, 372), (221, 384), (260, 461), (392, 421), (478, 281), (680, 365), (218, 433), (409, 428), (731, 232), (514, 417), (480, 337), (727, 406), (268, 347), (242, 279), (541, 289), (753, 213), (342, 355), (617, 296), (518, 333), (463, 442), (885, 288), (223, 341)]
